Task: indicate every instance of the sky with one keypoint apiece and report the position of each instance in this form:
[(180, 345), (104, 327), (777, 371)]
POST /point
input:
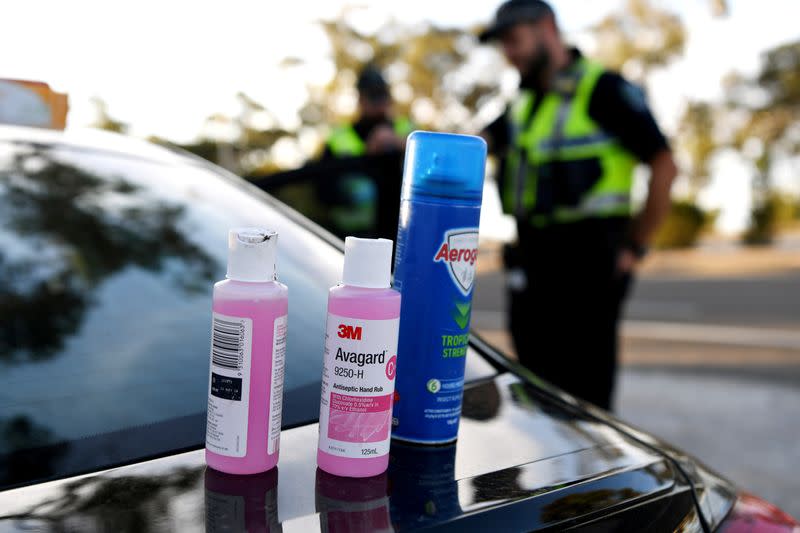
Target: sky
[(163, 67)]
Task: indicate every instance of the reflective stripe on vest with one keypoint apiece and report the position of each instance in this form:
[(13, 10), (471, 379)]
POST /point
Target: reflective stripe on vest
[(345, 141), (563, 131)]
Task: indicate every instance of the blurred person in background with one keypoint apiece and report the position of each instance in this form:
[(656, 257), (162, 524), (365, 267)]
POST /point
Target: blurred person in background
[(353, 197), (569, 146)]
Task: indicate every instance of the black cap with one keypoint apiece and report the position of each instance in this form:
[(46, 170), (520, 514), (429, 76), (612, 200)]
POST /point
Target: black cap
[(513, 12), (372, 85)]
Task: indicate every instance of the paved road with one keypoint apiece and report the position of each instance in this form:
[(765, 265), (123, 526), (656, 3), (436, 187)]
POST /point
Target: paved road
[(768, 301), (712, 365), (745, 426)]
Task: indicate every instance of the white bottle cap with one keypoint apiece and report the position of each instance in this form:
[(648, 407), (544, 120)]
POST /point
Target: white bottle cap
[(251, 254), (367, 263)]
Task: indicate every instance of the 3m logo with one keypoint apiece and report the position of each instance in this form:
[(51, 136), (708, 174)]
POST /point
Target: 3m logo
[(459, 250), (350, 332)]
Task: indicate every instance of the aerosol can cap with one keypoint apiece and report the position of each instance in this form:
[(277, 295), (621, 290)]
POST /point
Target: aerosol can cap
[(444, 167)]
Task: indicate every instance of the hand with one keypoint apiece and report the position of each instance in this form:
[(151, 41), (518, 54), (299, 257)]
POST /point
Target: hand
[(382, 139), (627, 262)]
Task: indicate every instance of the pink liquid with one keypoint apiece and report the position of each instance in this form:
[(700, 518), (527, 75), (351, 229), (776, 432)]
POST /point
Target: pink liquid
[(263, 303), (371, 304)]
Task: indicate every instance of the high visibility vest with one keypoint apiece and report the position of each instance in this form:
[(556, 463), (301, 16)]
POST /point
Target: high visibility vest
[(357, 215), (571, 168), (345, 141)]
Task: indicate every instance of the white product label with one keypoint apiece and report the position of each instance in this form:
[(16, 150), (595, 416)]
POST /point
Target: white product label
[(459, 251), (358, 386), (276, 382), (229, 385)]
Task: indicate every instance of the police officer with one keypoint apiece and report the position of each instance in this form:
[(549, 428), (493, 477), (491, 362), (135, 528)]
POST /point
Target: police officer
[(375, 130), (353, 198), (570, 143)]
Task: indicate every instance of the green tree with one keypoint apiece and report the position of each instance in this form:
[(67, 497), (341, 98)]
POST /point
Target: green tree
[(642, 36), (770, 101), (763, 112), (638, 38), (428, 67), (696, 142)]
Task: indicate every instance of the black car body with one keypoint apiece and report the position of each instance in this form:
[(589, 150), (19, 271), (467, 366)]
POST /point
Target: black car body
[(108, 251)]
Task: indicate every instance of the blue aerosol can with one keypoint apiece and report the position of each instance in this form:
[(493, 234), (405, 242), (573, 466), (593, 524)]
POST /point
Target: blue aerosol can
[(437, 249)]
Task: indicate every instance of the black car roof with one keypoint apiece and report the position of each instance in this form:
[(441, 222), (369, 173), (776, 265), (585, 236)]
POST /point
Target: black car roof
[(94, 140)]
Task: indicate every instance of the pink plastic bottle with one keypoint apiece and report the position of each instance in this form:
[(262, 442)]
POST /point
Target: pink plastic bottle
[(360, 361), (248, 349)]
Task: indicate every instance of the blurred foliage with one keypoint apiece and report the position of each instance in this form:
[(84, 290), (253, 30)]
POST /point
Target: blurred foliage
[(639, 37), (684, 225), (424, 65), (772, 101), (696, 142), (205, 148), (719, 7), (760, 117), (103, 119), (436, 81), (776, 212)]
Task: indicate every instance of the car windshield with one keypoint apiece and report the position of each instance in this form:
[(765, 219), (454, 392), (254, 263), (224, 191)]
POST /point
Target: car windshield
[(107, 261), (106, 267)]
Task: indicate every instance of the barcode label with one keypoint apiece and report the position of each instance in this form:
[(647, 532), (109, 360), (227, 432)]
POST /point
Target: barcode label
[(227, 343), (229, 385)]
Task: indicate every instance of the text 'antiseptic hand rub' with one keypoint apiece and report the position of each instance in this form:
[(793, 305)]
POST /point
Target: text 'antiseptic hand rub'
[(248, 348), (359, 363), (437, 247)]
